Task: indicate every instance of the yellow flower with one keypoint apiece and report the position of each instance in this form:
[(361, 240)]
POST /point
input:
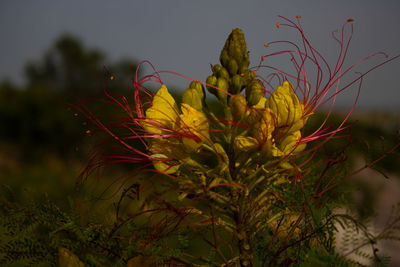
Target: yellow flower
[(163, 113), (261, 133), (192, 97), (254, 113), (264, 130), (287, 107), (190, 129), (245, 143), (166, 154), (194, 126), (288, 143)]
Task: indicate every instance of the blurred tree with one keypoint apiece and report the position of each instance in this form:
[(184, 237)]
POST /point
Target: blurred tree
[(35, 118)]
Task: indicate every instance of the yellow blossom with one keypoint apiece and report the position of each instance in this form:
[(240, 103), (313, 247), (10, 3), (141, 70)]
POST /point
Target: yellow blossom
[(288, 143), (286, 105), (190, 128), (166, 154), (261, 133), (162, 114), (245, 143), (194, 125), (254, 113)]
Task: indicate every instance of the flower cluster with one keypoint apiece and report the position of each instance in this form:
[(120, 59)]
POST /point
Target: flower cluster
[(175, 135), (234, 160), (253, 126)]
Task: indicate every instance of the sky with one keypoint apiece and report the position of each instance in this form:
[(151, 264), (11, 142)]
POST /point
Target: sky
[(186, 36)]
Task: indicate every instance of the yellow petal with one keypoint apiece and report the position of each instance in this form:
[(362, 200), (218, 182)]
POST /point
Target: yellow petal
[(265, 126), (261, 103), (288, 144), (165, 167), (194, 125), (166, 154), (286, 105), (163, 113), (192, 97), (245, 143)]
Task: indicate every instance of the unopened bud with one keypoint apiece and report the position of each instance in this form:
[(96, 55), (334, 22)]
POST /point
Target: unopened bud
[(199, 88), (254, 92), (238, 105), (247, 77), (216, 68), (244, 66), (236, 84), (224, 58), (233, 66), (235, 52), (211, 80), (192, 98), (223, 73), (236, 45), (223, 86)]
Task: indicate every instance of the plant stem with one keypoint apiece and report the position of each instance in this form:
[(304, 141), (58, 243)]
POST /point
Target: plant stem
[(245, 252)]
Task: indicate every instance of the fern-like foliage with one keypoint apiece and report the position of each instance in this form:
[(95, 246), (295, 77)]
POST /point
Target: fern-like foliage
[(33, 233)]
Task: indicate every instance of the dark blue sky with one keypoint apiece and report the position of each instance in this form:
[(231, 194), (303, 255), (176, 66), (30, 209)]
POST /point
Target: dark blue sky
[(186, 36)]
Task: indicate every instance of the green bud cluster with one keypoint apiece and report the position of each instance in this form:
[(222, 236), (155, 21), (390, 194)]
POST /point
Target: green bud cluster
[(233, 75)]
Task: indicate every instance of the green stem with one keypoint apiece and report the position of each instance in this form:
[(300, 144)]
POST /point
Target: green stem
[(245, 251)]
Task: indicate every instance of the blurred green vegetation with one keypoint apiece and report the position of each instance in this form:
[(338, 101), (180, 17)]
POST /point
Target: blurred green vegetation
[(43, 141)]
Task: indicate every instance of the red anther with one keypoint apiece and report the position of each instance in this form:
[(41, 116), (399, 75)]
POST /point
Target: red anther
[(350, 20)]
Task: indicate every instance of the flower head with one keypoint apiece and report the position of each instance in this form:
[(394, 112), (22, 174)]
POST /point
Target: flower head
[(286, 105), (173, 135)]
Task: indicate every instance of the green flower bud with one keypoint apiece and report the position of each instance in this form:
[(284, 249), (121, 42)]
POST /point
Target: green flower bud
[(223, 85), (235, 47), (254, 92), (224, 58), (199, 88), (235, 52), (244, 66), (211, 80), (236, 84), (193, 99), (216, 68), (233, 67), (223, 73), (247, 77), (237, 103)]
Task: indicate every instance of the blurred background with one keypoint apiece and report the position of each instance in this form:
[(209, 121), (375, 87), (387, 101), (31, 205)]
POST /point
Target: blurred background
[(52, 52)]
